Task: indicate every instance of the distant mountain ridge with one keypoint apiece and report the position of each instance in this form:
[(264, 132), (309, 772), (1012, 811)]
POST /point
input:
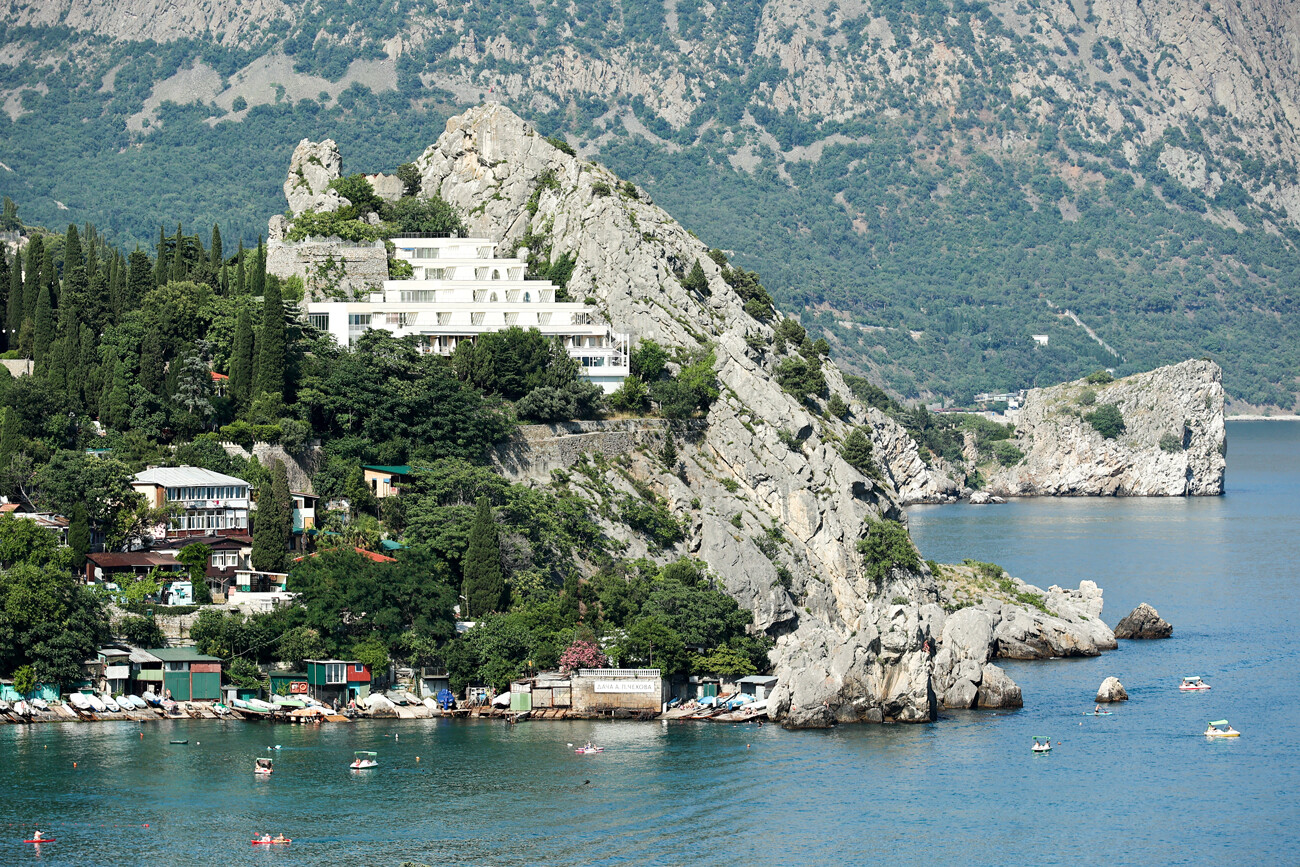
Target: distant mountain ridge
[(928, 183)]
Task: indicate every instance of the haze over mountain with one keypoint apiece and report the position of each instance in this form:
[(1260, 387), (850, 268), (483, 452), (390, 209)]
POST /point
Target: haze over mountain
[(930, 183)]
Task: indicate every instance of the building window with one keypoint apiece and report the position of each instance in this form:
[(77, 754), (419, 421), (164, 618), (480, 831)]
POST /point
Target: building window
[(359, 320), (334, 672), (476, 318), (480, 273), (492, 299), (528, 297), (319, 321)]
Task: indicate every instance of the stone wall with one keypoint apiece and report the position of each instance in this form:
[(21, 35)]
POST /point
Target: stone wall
[(539, 448), (330, 270)]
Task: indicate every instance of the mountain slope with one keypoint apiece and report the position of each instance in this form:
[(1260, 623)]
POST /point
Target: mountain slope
[(929, 183)]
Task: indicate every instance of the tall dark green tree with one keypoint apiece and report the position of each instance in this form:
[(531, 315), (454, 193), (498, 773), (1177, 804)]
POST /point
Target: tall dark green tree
[(178, 269), (14, 303), (79, 535), (152, 367), (75, 279), (139, 280), (242, 359), (214, 257), (273, 522), (240, 286), (257, 271), (271, 342), (10, 437), (116, 411), (4, 291), (32, 279), (90, 375), (161, 265), (484, 579), (45, 329)]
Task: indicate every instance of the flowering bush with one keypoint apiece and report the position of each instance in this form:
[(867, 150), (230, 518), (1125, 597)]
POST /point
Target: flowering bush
[(582, 654)]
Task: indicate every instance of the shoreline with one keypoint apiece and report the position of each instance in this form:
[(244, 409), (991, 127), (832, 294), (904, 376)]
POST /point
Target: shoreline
[(1261, 418)]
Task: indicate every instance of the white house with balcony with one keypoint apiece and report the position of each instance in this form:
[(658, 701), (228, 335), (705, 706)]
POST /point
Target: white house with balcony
[(459, 290), (207, 503)]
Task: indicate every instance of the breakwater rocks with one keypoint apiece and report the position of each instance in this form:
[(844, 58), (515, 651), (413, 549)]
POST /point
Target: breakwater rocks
[(1143, 622)]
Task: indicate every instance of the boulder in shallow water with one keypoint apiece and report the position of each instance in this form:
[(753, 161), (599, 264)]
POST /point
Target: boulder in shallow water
[(998, 690), (1143, 622), (1111, 690)]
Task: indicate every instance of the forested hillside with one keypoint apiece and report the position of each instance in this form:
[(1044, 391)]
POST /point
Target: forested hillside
[(929, 183)]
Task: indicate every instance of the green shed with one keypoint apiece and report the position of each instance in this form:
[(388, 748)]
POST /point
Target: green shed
[(189, 675)]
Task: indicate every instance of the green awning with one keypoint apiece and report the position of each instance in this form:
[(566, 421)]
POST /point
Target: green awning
[(1219, 722), (150, 674)]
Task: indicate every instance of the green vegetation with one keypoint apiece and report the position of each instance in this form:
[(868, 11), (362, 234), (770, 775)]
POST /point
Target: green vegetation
[(1107, 420), (1171, 443), (886, 548)]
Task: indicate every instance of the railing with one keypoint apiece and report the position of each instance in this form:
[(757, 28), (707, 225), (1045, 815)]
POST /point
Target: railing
[(618, 672)]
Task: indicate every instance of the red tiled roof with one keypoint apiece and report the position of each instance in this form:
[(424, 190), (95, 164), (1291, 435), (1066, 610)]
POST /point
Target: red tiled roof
[(219, 376), (131, 559)]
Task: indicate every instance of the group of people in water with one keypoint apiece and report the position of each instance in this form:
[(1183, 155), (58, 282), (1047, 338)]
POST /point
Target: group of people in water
[(267, 838)]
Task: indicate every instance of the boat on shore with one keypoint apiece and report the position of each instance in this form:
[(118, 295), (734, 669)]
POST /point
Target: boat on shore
[(364, 759), (1220, 728), (1193, 684)]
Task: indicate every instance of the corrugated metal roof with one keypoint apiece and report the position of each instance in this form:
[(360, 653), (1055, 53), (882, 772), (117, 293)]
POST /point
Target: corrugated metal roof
[(403, 470), (181, 654), (177, 477), (760, 679)]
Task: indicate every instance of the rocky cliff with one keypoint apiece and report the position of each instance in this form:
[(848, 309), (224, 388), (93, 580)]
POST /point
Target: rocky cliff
[(760, 483), (1172, 443)]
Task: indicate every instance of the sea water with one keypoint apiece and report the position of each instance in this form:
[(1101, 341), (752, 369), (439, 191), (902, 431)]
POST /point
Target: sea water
[(1140, 787)]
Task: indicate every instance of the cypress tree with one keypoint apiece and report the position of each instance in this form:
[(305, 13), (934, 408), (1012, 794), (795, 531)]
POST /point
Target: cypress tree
[(88, 384), (152, 368), (485, 583), (139, 281), (271, 343), (14, 311), (75, 281), (116, 412), (240, 287), (79, 535), (98, 297), (215, 256), (241, 359), (273, 522), (10, 439), (257, 274), (178, 270), (50, 278), (116, 286), (32, 279), (4, 290), (43, 333), (161, 265)]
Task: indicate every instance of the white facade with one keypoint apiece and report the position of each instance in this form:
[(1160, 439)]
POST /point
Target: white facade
[(460, 290), (210, 502)]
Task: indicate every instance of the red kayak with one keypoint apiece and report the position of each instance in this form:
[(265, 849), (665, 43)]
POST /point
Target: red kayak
[(271, 842), (42, 840)]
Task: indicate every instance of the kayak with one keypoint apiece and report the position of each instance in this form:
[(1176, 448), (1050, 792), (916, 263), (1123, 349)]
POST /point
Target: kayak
[(271, 842), (42, 840), (1098, 713)]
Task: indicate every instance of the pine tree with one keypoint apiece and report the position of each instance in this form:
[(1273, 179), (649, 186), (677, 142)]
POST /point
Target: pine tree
[(241, 360), (14, 311), (271, 343), (485, 583), (116, 412), (79, 535), (10, 439), (161, 265), (696, 281), (44, 330), (273, 522), (139, 281)]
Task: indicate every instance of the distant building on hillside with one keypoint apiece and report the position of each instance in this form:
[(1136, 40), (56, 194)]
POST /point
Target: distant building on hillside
[(209, 503), (460, 290)]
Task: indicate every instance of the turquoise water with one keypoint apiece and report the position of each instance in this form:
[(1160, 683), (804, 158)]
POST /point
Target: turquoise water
[(1139, 787)]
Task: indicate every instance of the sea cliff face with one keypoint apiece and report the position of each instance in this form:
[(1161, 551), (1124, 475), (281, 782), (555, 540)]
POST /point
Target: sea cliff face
[(1172, 445)]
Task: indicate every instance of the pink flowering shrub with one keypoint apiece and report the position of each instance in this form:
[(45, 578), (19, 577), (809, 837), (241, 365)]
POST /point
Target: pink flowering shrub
[(582, 654)]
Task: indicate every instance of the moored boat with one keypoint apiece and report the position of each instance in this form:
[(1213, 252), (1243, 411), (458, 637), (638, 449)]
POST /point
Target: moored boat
[(111, 704), (1193, 684), (96, 703)]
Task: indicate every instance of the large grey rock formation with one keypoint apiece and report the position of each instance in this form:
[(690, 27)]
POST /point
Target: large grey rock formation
[(1111, 690), (1173, 446), (313, 166), (842, 653), (1143, 622)]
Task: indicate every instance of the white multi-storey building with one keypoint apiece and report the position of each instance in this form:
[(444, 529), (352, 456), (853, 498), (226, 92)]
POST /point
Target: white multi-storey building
[(460, 290)]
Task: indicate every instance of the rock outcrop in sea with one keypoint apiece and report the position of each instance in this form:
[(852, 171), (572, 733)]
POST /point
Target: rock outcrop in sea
[(1143, 622), (1111, 690), (764, 495)]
